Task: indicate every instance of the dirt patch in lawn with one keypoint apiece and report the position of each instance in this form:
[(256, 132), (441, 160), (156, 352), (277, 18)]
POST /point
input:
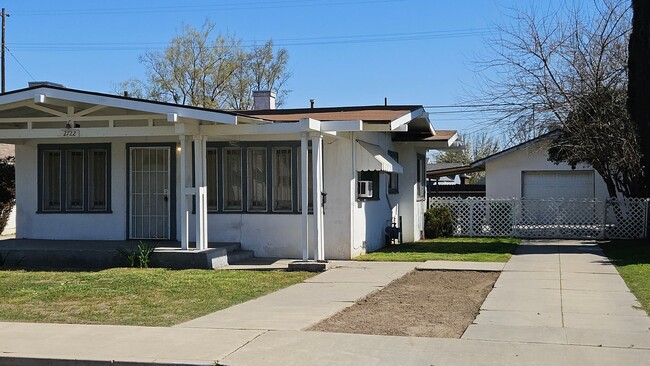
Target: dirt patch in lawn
[(439, 304)]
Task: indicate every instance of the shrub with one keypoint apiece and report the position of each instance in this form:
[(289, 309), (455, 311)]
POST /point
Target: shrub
[(7, 189), (438, 222)]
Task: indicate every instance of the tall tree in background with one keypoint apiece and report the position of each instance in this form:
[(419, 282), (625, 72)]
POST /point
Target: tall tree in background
[(549, 70), (477, 146), (218, 72), (260, 69), (639, 83)]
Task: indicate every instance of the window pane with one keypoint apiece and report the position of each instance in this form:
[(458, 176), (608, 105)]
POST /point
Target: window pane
[(74, 180), (310, 177), (52, 180), (282, 187), (420, 176), (212, 169), (232, 179), (257, 179), (97, 180)]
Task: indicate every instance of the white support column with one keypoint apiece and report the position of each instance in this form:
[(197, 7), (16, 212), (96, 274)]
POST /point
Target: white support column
[(317, 164), (304, 194), (200, 187), (185, 214)]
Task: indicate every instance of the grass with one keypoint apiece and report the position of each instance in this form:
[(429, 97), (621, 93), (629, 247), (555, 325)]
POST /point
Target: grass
[(632, 259), (127, 296), (450, 249)]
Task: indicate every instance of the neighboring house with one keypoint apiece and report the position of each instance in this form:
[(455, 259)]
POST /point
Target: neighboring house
[(451, 180), (7, 150), (322, 182), (437, 174), (524, 171)]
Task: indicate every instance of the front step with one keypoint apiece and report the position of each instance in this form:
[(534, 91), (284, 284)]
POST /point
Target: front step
[(218, 255), (239, 255)]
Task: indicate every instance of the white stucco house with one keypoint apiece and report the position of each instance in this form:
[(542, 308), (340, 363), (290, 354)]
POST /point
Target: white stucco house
[(318, 183), (524, 171)]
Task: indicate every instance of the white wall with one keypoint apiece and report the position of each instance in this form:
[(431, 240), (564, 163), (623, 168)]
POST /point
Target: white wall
[(71, 226), (503, 175)]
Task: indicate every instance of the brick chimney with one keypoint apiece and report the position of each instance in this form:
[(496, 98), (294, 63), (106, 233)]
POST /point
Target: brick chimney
[(263, 99)]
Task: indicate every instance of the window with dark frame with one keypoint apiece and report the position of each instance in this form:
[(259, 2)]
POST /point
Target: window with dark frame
[(282, 180), (74, 178), (232, 179), (372, 176), (421, 179)]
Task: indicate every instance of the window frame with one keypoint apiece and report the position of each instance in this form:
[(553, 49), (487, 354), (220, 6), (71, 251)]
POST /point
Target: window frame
[(420, 177), (271, 147), (63, 152)]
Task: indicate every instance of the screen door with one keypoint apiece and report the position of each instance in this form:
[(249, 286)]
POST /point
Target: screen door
[(149, 192)]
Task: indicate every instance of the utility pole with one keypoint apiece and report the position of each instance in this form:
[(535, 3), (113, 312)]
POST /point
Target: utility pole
[(2, 53)]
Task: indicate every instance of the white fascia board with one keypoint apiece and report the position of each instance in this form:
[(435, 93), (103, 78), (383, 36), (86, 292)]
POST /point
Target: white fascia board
[(346, 125), (453, 139), (399, 121), (151, 107), (304, 125)]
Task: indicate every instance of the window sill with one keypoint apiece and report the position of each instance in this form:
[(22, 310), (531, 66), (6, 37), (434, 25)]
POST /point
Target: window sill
[(39, 212)]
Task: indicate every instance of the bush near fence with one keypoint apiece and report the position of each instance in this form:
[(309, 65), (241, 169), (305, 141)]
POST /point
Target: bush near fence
[(549, 218)]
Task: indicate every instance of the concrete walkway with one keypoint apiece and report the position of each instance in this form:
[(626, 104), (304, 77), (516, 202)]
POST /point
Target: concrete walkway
[(562, 292), (558, 303)]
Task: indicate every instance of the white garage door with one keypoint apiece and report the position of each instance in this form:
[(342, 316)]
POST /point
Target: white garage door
[(558, 184)]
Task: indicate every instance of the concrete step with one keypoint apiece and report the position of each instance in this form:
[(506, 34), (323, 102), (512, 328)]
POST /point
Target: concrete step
[(239, 255)]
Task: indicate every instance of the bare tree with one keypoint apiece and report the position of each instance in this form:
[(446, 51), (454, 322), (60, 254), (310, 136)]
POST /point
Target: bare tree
[(259, 69), (210, 73), (477, 146), (549, 70)]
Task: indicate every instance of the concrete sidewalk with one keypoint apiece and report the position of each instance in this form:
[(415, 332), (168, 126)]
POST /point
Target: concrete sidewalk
[(552, 304), (562, 292)]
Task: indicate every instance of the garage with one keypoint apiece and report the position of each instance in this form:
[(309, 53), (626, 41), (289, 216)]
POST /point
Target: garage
[(557, 184)]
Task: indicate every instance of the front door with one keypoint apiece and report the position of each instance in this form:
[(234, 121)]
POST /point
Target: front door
[(149, 197)]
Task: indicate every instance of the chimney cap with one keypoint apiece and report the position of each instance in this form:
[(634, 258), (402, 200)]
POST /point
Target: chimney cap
[(33, 84)]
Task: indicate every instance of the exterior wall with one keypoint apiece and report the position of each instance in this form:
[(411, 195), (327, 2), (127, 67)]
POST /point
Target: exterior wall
[(280, 235), (503, 175), (351, 226), (72, 226)]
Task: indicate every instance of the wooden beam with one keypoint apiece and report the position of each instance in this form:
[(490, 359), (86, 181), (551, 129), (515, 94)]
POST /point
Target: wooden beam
[(100, 132), (47, 110), (89, 110)]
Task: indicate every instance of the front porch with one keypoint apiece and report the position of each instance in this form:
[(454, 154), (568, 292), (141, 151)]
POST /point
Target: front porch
[(101, 254)]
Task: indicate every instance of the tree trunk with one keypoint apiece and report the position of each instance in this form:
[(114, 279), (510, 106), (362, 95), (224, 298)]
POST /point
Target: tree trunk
[(639, 82)]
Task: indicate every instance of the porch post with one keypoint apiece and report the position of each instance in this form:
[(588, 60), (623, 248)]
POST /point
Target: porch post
[(184, 206), (317, 164), (201, 192), (304, 194)]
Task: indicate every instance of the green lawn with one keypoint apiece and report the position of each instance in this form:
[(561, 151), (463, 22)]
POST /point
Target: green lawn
[(450, 249), (632, 259), (154, 297)]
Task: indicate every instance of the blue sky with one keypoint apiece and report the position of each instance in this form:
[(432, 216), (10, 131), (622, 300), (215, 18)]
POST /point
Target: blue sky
[(342, 52)]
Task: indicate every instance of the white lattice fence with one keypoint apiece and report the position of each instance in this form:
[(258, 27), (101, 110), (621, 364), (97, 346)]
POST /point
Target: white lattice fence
[(578, 219)]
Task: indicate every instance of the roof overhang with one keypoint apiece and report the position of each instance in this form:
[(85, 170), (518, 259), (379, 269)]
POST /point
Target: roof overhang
[(57, 96), (371, 157)]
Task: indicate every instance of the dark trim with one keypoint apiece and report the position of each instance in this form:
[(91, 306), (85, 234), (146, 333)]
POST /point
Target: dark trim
[(172, 185), (272, 112), (421, 168), (244, 146), (63, 149)]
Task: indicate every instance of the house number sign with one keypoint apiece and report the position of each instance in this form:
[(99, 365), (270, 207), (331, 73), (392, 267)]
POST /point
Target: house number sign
[(71, 132)]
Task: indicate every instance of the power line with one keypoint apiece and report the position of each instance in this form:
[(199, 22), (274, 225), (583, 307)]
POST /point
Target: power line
[(20, 64), (203, 8), (281, 42)]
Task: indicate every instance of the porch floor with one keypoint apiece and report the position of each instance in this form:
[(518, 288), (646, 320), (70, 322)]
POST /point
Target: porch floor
[(97, 254)]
